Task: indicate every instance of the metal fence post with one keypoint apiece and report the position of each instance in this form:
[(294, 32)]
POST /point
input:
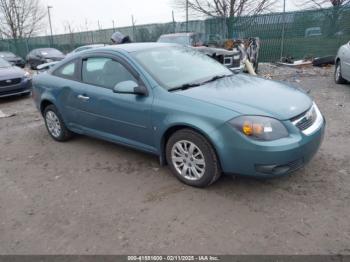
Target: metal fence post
[(283, 28)]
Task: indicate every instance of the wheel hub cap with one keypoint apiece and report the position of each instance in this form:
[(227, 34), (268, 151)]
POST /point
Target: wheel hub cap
[(53, 124), (188, 160)]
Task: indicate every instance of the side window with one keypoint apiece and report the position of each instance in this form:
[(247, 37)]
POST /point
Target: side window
[(68, 71), (105, 72)]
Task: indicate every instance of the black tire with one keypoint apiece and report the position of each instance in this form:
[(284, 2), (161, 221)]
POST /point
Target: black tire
[(31, 66), (337, 74), (323, 61), (34, 65), (64, 134), (212, 166)]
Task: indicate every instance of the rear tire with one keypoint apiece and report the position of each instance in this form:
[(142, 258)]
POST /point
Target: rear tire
[(337, 75), (192, 159), (55, 125)]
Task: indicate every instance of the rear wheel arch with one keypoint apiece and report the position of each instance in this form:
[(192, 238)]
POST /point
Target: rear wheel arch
[(172, 130)]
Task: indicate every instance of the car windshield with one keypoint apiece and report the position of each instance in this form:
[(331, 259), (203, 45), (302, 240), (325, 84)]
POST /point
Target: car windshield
[(182, 40), (50, 52), (177, 66), (4, 64), (7, 55)]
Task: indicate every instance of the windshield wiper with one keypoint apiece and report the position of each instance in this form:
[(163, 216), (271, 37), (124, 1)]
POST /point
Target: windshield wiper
[(184, 86), (190, 85), (214, 78)]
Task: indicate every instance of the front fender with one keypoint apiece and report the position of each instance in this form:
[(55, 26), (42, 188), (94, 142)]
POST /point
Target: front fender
[(175, 123)]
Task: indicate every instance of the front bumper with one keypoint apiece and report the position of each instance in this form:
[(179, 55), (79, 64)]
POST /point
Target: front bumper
[(243, 156), (24, 87)]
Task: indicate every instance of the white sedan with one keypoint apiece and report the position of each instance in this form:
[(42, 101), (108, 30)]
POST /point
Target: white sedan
[(342, 64)]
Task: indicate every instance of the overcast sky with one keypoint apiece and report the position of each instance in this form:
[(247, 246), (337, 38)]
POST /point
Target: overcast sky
[(85, 14)]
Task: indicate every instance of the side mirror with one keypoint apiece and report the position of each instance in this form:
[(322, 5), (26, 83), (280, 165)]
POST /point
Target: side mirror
[(130, 87)]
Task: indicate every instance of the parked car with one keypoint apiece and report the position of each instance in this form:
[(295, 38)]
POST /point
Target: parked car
[(43, 55), (231, 59), (13, 80), (313, 32), (188, 109), (342, 64), (13, 59), (189, 39), (85, 47)]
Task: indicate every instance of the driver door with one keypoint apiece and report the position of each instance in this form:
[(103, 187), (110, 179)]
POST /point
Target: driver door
[(125, 118)]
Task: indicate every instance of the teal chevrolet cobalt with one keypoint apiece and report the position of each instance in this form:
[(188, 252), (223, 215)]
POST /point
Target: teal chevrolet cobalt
[(172, 101)]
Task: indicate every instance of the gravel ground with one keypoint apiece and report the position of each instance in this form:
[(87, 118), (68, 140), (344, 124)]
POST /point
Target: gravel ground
[(92, 197)]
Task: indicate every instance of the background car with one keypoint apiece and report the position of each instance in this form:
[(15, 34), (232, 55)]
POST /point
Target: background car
[(13, 59), (313, 32), (85, 47), (342, 64), (188, 39), (231, 59), (43, 55), (13, 80), (181, 105)]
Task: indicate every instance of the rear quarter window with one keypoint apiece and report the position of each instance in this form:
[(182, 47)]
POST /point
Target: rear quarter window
[(68, 71)]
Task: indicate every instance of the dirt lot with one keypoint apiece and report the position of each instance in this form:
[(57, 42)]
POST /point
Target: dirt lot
[(92, 197)]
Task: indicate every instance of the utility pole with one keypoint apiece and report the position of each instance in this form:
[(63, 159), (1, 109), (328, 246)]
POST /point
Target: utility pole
[(113, 25), (133, 28), (174, 25), (187, 16), (49, 13), (283, 28)]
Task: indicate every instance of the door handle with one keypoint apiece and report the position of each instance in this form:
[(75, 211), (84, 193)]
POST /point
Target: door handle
[(83, 97)]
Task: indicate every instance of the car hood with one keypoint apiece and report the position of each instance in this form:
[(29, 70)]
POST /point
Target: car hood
[(10, 73), (249, 95)]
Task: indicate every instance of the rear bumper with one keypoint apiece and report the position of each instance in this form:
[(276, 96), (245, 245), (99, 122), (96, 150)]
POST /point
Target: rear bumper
[(239, 155), (24, 87)]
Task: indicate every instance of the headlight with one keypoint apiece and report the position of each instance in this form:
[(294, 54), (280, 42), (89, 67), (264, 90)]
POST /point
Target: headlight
[(27, 75), (260, 128)]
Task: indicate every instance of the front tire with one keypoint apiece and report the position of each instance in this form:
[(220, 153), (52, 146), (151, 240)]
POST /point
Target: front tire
[(55, 125), (338, 75), (192, 159)]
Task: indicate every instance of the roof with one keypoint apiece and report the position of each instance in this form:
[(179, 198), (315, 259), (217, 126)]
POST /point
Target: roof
[(134, 47)]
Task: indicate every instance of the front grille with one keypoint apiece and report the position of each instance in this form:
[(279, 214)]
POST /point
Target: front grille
[(10, 82), (305, 120)]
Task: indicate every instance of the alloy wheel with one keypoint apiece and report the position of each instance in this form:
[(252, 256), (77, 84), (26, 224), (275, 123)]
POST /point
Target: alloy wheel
[(338, 72), (188, 160), (53, 124)]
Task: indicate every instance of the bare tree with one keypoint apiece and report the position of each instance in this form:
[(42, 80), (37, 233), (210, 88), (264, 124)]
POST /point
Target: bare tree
[(21, 18), (69, 30), (332, 10), (226, 8), (326, 3)]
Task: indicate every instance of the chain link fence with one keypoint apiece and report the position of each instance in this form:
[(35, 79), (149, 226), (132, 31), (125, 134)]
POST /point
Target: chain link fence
[(306, 33)]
